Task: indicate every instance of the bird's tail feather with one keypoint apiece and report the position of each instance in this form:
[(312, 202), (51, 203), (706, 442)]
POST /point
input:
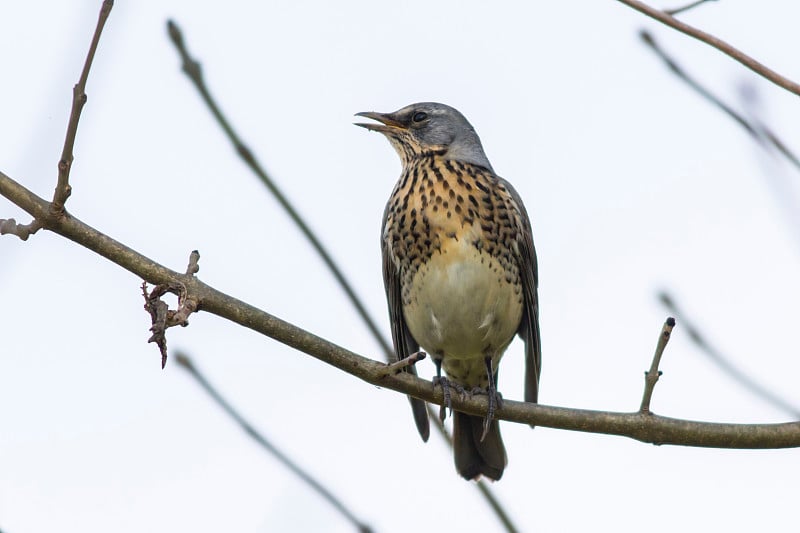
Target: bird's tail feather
[(475, 457)]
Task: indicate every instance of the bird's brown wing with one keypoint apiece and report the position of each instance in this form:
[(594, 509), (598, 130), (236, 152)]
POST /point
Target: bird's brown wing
[(529, 326), (404, 343)]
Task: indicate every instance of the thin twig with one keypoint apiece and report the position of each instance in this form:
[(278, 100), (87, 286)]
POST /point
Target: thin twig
[(651, 376), (646, 428), (397, 366), (719, 44), (186, 363), (63, 188), (758, 131), (724, 362), (687, 7)]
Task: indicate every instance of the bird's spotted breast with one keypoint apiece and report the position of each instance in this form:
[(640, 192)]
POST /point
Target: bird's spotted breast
[(452, 229)]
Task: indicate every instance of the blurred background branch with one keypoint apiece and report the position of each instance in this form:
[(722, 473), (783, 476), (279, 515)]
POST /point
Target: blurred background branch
[(687, 7), (783, 190), (185, 362), (754, 65), (758, 131), (724, 362)]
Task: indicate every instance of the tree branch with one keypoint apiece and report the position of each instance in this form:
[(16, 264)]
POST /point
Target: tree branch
[(643, 427), (63, 188), (719, 44)]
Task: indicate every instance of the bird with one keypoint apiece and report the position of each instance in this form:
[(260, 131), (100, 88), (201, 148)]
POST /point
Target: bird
[(460, 271)]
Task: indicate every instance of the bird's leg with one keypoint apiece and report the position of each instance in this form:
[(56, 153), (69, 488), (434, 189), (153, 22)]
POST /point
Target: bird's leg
[(493, 397), (445, 384)]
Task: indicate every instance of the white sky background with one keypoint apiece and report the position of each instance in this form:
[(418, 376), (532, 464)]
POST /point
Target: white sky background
[(632, 181)]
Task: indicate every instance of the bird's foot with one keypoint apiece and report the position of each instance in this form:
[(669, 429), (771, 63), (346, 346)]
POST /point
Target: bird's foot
[(446, 385), (495, 400), (480, 391)]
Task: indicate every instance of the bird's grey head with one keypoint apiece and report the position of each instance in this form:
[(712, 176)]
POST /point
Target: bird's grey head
[(428, 127)]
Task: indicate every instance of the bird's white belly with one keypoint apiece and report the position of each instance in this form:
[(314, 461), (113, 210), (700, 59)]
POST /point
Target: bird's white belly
[(461, 306)]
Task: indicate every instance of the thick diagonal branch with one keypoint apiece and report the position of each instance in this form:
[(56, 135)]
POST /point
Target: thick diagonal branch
[(646, 428)]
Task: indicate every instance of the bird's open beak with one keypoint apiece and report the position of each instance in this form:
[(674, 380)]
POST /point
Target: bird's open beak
[(387, 122)]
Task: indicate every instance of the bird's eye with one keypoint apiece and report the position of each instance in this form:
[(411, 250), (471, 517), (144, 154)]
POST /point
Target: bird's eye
[(419, 116)]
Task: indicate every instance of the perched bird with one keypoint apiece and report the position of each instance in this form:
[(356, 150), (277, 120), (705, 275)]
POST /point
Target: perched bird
[(459, 269)]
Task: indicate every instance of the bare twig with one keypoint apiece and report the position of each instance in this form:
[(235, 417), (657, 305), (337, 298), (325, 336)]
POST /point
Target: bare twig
[(646, 428), (186, 363), (719, 44), (397, 366), (756, 129), (193, 267), (724, 363), (687, 7), (651, 376), (63, 188), (23, 231)]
